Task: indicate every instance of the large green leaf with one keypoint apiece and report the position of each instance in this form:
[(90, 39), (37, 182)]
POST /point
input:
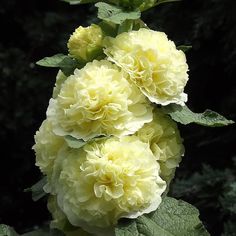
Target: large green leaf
[(172, 218), (37, 189), (184, 115), (6, 230), (64, 62), (115, 14)]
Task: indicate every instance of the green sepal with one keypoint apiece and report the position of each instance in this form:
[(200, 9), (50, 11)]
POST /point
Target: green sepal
[(73, 142), (184, 48), (37, 189), (78, 143)]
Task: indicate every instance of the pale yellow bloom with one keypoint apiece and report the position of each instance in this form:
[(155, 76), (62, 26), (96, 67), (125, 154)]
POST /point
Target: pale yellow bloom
[(60, 221), (46, 147), (106, 180), (165, 141), (98, 100), (60, 79), (86, 43), (153, 63)]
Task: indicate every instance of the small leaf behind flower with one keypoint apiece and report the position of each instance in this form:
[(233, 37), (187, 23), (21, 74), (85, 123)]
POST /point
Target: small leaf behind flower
[(184, 48), (37, 189), (74, 2), (172, 218), (165, 1), (64, 62), (108, 28), (54, 61), (115, 14), (129, 25), (78, 143), (185, 116), (73, 142)]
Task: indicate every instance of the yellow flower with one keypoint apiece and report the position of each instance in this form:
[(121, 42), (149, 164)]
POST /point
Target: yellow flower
[(60, 220), (60, 79), (106, 180), (153, 63), (86, 43), (98, 100), (164, 139), (46, 147)]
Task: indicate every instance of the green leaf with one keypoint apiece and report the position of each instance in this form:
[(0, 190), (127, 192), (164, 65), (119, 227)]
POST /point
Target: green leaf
[(37, 189), (44, 232), (115, 14), (165, 1), (129, 25), (108, 28), (184, 48), (6, 230), (139, 24), (126, 26), (185, 116), (74, 2), (64, 62), (73, 142), (78, 143), (53, 61), (172, 218)]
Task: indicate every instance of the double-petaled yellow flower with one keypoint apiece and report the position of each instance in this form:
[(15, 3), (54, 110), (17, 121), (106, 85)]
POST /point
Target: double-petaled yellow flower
[(98, 100), (153, 64), (106, 180)]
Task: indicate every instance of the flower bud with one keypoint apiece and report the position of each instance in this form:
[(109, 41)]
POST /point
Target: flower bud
[(86, 43)]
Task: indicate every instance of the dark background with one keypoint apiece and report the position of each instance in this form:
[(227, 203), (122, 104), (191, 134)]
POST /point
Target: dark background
[(32, 29)]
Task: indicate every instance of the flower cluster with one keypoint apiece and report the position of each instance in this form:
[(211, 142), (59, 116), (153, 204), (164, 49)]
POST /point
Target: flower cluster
[(125, 149)]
